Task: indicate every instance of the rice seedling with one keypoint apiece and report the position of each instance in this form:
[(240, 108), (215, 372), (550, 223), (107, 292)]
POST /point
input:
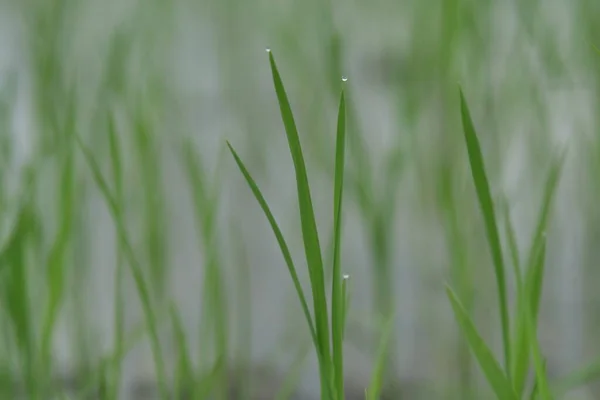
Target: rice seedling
[(509, 382), (330, 363)]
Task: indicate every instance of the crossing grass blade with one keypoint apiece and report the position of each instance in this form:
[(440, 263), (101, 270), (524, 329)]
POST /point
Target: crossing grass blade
[(490, 367), (280, 240), (486, 203), (134, 265), (310, 235), (337, 292), (534, 277)]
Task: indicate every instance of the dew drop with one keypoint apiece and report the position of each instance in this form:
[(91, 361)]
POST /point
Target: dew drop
[(346, 277), (344, 78), (268, 49)]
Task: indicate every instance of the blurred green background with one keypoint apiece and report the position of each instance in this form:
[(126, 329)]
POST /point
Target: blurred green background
[(154, 88)]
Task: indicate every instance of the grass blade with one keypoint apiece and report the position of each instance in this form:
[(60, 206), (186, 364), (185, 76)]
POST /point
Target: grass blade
[(310, 235), (543, 389), (280, 240), (534, 277), (490, 367), (337, 293), (487, 207)]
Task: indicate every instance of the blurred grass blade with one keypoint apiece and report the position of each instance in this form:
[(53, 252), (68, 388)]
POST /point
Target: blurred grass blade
[(487, 207), (184, 371), (310, 235), (378, 374), (15, 293), (534, 277), (56, 263), (337, 293), (135, 267), (490, 367), (280, 239)]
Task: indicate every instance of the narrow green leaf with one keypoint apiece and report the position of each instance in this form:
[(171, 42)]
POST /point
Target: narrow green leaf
[(542, 386), (280, 240), (487, 207), (310, 235), (338, 300), (490, 367), (534, 277)]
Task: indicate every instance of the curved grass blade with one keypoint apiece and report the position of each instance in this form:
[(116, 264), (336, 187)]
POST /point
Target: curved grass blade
[(487, 207), (534, 277), (133, 263), (280, 239), (490, 367), (310, 235), (337, 292)]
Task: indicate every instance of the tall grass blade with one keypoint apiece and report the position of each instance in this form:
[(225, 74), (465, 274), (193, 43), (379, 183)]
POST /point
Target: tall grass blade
[(337, 293), (280, 240), (487, 207), (490, 367), (310, 235)]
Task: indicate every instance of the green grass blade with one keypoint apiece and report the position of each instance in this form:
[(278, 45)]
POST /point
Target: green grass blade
[(338, 300), (310, 235), (135, 267), (280, 240), (542, 386), (378, 374), (487, 207), (534, 277), (490, 367)]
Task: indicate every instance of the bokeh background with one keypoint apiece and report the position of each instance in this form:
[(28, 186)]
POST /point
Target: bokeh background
[(168, 82)]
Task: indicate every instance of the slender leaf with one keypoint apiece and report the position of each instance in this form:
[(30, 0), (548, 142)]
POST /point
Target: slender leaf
[(534, 277), (310, 235), (487, 207), (490, 367), (280, 240), (338, 300)]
